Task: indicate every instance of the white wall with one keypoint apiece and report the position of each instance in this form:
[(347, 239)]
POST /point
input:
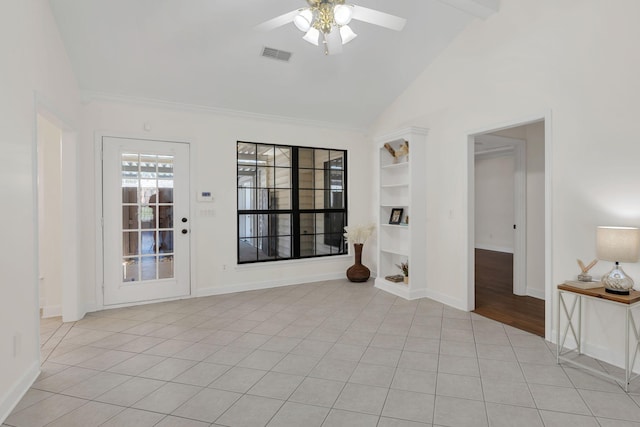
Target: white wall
[(50, 217), (34, 67), (569, 59), (213, 147), (495, 201)]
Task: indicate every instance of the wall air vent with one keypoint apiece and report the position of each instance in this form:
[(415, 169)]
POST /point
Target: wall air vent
[(280, 55)]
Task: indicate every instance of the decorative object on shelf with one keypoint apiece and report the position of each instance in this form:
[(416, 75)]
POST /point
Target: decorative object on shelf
[(404, 267), (396, 278), (618, 244), (585, 276), (396, 216), (357, 235), (403, 150), (325, 22)]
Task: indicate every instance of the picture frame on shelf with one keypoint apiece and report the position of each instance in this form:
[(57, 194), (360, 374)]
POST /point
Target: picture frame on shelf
[(396, 216)]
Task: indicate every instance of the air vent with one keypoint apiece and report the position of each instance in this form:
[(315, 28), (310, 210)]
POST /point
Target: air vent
[(280, 55)]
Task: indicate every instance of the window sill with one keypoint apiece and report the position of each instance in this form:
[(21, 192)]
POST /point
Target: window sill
[(277, 264)]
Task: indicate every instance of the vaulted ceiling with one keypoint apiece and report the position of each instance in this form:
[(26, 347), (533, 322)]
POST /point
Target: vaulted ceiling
[(208, 53)]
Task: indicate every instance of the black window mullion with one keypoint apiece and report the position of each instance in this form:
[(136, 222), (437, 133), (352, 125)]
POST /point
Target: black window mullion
[(295, 205)]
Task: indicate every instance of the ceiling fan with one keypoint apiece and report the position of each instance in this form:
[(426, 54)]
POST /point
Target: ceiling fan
[(327, 22)]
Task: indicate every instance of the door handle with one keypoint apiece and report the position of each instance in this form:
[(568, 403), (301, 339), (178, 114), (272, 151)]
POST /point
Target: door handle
[(184, 219), (184, 231)]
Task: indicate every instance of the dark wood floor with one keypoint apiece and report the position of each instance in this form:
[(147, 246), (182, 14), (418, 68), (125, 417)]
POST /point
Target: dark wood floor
[(495, 298)]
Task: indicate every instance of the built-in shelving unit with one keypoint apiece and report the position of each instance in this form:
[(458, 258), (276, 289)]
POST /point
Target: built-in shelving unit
[(401, 185)]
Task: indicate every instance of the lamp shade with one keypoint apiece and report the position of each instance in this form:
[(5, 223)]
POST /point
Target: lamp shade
[(621, 244), (303, 20), (342, 14)]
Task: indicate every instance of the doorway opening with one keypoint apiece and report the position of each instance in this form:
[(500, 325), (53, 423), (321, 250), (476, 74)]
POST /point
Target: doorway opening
[(508, 211), (56, 177)]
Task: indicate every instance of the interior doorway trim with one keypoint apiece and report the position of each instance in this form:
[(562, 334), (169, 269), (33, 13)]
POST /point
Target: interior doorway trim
[(72, 306), (517, 149), (545, 116)]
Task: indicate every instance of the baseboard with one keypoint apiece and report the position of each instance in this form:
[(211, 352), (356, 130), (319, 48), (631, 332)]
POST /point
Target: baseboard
[(536, 293), (603, 354), (446, 299), (494, 248), (17, 392), (51, 311), (254, 286)]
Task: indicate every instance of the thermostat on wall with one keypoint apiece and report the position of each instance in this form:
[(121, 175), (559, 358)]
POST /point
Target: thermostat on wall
[(205, 196)]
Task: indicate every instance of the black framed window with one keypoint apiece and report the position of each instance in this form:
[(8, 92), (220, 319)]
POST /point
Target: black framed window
[(292, 202)]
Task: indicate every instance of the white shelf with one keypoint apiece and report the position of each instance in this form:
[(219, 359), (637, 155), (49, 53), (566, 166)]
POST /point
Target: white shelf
[(396, 251), (394, 226), (394, 185), (399, 185), (404, 164)]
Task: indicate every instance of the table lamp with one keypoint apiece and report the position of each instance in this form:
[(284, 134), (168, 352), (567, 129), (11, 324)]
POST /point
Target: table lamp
[(618, 244)]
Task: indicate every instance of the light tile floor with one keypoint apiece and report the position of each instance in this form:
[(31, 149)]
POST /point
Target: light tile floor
[(323, 354)]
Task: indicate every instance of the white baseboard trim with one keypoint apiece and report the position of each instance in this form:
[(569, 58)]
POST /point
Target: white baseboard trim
[(494, 248), (604, 354), (11, 398), (254, 286), (51, 311), (446, 299), (536, 293)]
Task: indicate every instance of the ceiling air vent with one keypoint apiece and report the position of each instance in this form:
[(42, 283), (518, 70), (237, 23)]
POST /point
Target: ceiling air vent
[(280, 55)]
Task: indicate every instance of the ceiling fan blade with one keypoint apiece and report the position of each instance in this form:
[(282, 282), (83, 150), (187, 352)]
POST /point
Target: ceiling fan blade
[(376, 17), (333, 42), (278, 21)]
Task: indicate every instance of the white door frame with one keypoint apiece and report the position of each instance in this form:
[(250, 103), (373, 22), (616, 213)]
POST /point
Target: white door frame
[(548, 227), (72, 305), (517, 149), (99, 249)]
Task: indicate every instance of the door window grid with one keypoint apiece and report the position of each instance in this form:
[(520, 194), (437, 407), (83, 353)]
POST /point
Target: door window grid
[(147, 217), (291, 202)]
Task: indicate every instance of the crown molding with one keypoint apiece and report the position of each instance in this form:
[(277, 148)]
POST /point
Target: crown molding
[(91, 96)]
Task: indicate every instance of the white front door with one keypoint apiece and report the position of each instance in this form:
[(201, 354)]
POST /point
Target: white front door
[(146, 220)]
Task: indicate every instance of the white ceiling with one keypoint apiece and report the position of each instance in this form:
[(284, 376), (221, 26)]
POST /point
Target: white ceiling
[(207, 53)]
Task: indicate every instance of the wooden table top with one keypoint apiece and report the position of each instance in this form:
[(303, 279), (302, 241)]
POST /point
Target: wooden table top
[(632, 298)]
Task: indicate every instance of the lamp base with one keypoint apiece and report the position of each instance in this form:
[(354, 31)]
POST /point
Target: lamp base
[(617, 282)]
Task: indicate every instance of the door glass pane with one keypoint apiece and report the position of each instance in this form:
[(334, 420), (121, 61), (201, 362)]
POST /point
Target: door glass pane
[(165, 244), (149, 266), (129, 217), (165, 216), (147, 197), (130, 243), (165, 267), (130, 270), (148, 216), (165, 178), (148, 242)]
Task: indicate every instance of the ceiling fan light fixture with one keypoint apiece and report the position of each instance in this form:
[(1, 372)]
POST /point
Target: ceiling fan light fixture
[(347, 34), (342, 14), (303, 20), (312, 36)]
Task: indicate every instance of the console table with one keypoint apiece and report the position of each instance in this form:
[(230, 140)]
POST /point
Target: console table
[(574, 324)]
